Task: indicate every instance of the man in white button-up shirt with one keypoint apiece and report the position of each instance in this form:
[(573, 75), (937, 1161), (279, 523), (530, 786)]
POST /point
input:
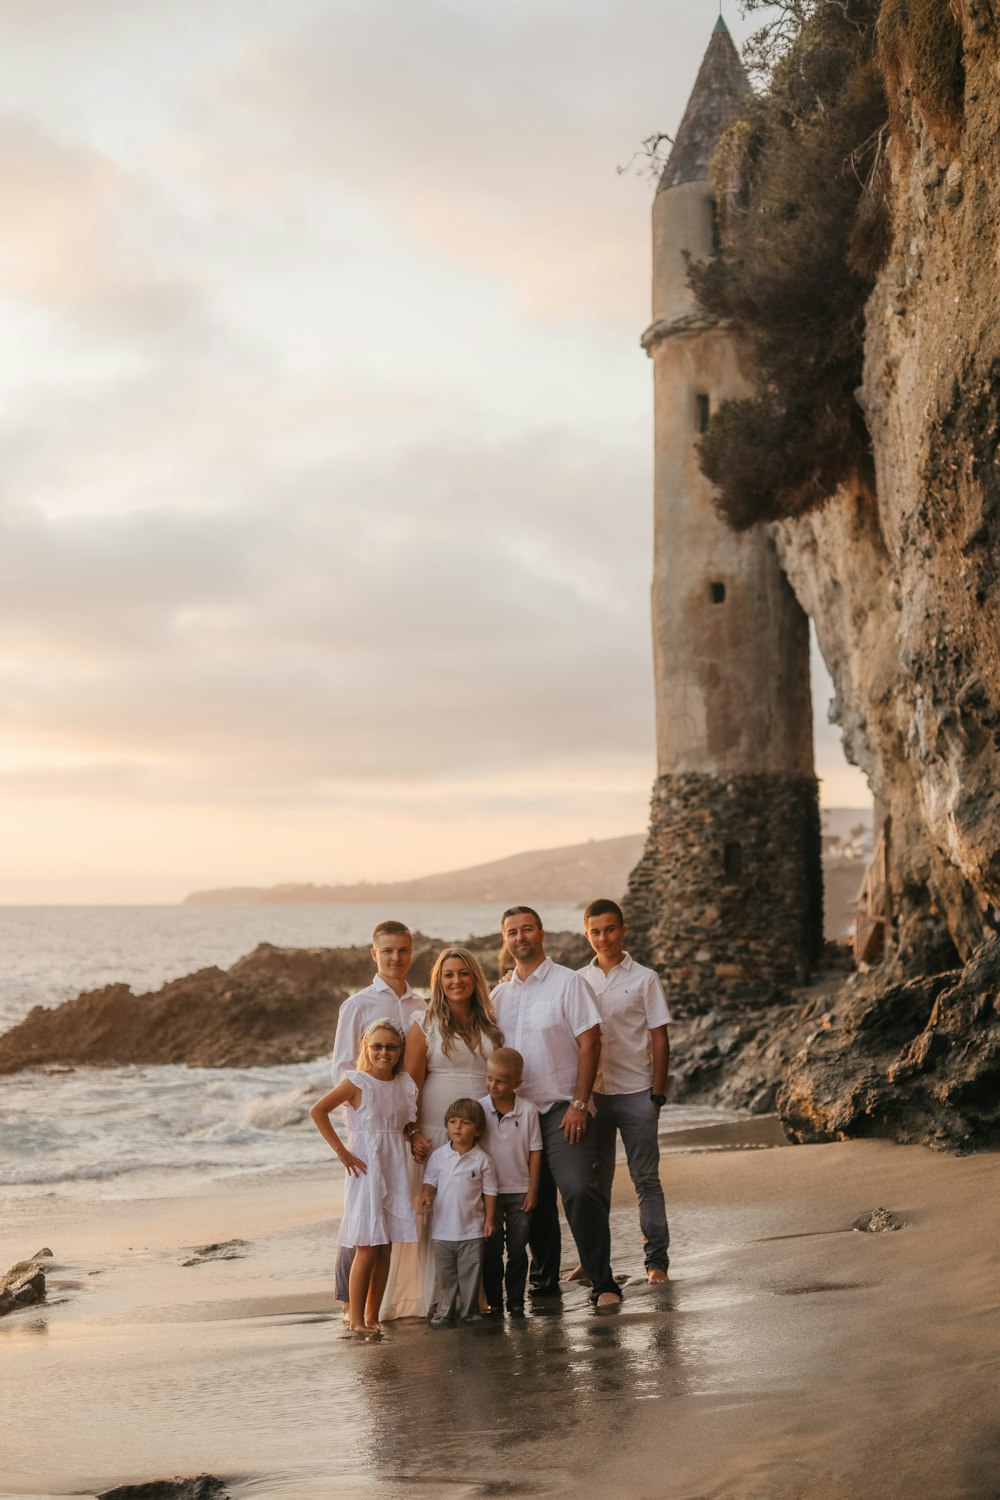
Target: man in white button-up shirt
[(389, 994), (548, 1014), (631, 1087)]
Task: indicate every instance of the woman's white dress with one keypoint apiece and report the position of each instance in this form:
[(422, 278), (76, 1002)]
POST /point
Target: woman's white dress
[(378, 1204), (410, 1291)]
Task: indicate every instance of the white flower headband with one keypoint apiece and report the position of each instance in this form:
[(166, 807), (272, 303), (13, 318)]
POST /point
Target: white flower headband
[(385, 1024)]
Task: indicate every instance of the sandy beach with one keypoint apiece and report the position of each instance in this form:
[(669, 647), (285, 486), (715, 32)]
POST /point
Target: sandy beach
[(791, 1355)]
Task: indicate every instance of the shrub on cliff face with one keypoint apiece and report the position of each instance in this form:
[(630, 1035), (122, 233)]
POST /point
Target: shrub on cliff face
[(801, 187), (921, 41)]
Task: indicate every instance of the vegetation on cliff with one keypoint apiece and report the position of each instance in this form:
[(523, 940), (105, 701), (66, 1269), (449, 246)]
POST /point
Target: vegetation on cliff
[(801, 179)]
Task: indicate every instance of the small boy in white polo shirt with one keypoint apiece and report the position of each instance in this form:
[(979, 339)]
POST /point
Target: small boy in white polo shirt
[(513, 1141), (460, 1188)]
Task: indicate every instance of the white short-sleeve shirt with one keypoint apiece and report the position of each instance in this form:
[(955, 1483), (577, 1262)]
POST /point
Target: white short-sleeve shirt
[(631, 1001), (461, 1179), (542, 1016), (509, 1140), (360, 1010)]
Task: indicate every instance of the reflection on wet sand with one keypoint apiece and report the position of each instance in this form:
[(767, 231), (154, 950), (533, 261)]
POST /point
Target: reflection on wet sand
[(555, 1384)]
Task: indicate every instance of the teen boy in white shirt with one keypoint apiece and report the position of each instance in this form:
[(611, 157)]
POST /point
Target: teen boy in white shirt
[(631, 1087), (389, 994), (460, 1188)]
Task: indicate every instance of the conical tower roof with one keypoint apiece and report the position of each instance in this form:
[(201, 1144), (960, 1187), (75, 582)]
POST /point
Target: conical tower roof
[(718, 92)]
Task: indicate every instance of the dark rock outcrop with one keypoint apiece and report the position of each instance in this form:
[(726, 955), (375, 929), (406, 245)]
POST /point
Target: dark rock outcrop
[(203, 1487), (276, 1005), (23, 1285), (913, 1060)]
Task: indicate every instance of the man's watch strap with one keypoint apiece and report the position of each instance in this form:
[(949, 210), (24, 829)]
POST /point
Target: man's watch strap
[(658, 1099)]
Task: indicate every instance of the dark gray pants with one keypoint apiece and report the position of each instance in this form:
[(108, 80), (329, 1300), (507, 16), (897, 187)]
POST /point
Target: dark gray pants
[(572, 1168), (345, 1260), (511, 1232), (635, 1116), (458, 1265)]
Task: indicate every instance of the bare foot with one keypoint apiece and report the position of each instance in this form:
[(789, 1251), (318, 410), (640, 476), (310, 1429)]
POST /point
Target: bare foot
[(608, 1299), (577, 1274), (657, 1276), (375, 1327)]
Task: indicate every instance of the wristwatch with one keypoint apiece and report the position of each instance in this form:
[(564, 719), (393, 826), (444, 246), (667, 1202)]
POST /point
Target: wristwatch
[(658, 1099), (580, 1104)]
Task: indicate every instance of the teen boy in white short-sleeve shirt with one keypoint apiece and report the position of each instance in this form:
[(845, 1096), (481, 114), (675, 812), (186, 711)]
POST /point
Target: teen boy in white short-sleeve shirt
[(630, 1089)]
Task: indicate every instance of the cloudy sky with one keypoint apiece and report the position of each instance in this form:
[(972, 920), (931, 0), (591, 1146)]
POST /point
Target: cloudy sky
[(325, 434)]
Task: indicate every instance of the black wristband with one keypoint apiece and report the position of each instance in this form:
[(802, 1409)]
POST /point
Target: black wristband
[(658, 1099)]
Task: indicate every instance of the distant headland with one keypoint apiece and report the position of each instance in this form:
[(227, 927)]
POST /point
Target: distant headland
[(568, 876)]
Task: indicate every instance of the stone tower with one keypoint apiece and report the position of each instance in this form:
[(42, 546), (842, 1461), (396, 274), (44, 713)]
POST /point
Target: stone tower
[(727, 899)]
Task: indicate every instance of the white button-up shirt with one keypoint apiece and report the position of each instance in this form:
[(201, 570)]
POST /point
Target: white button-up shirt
[(509, 1140), (359, 1011), (631, 1001), (461, 1179), (542, 1016)]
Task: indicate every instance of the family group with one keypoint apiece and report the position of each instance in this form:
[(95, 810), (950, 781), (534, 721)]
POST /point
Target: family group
[(468, 1114)]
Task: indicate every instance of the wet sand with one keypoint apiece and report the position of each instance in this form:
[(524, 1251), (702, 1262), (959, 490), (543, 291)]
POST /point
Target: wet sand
[(790, 1356)]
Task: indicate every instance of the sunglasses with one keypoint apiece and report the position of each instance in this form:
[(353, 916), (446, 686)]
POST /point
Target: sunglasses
[(385, 1047)]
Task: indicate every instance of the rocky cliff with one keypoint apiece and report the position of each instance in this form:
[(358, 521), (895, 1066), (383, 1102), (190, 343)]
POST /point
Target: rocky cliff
[(900, 579)]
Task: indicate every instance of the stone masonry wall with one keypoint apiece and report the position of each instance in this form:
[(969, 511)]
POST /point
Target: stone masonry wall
[(727, 900)]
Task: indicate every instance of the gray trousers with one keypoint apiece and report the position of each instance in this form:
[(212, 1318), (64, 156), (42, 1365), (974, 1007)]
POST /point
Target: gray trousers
[(635, 1117), (572, 1168), (345, 1259), (457, 1265)]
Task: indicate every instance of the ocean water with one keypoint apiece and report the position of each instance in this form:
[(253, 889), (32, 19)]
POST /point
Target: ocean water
[(151, 1132), (50, 953)]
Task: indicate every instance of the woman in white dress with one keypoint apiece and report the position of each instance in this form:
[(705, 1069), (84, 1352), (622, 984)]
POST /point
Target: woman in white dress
[(446, 1055)]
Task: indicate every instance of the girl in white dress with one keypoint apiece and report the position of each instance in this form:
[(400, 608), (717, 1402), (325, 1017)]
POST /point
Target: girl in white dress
[(378, 1205), (446, 1055)]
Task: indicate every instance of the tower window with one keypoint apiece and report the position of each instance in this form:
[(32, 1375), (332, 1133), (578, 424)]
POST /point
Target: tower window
[(732, 859), (717, 593), (704, 412)]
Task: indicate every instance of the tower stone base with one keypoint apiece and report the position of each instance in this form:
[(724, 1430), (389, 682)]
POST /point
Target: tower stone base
[(727, 900)]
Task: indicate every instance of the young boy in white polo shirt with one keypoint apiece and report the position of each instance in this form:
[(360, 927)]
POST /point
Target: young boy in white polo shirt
[(513, 1142), (460, 1190)]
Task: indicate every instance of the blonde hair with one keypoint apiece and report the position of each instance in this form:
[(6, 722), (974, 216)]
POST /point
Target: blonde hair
[(482, 1016), (509, 1058), (382, 1024)]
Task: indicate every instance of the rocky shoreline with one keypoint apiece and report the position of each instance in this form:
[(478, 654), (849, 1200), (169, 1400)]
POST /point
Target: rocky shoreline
[(915, 1060), (274, 1006)]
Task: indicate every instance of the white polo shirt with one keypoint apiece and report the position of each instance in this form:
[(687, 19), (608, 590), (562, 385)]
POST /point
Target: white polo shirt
[(631, 1001), (542, 1016), (359, 1011), (461, 1180), (508, 1141)]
